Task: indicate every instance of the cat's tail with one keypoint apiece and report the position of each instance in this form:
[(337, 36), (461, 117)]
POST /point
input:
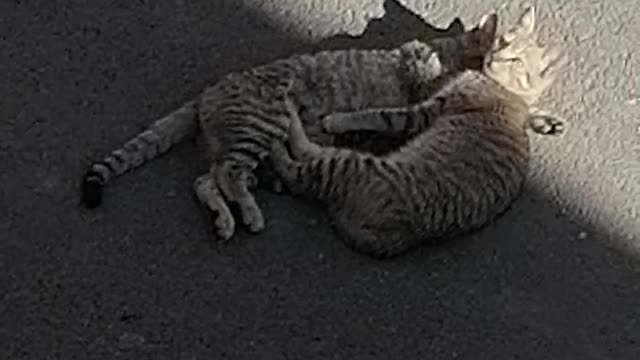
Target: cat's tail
[(153, 141)]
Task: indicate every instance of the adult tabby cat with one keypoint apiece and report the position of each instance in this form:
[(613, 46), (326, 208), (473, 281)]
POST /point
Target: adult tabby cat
[(464, 166), (242, 114)]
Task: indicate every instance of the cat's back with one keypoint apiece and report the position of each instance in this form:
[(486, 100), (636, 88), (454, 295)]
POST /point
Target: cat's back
[(475, 157), (349, 80), (321, 82), (321, 68)]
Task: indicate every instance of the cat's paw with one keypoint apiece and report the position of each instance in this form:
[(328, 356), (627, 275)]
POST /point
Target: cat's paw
[(545, 124), (210, 196), (225, 225), (252, 217), (416, 50), (421, 62), (332, 123)]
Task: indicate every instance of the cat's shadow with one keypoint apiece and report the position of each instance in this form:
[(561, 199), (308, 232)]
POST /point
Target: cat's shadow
[(397, 26)]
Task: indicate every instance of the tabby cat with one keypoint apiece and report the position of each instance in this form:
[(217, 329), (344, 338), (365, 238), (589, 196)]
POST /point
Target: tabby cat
[(464, 166), (242, 114)]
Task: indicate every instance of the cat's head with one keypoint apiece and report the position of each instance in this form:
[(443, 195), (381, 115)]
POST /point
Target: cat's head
[(468, 49), (520, 63)]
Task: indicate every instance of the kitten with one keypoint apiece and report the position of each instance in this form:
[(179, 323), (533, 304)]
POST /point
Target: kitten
[(241, 115), (464, 166)]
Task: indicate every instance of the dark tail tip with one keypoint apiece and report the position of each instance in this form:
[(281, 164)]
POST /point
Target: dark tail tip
[(92, 190)]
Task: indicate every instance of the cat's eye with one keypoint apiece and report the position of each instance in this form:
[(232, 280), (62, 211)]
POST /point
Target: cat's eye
[(516, 61)]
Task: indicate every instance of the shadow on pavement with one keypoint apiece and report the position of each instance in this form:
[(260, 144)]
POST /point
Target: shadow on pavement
[(142, 278)]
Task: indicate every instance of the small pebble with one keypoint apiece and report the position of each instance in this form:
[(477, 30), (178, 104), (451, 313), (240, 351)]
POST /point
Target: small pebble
[(130, 340), (582, 235)]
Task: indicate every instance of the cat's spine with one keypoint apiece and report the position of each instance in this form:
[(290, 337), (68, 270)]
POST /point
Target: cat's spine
[(155, 140)]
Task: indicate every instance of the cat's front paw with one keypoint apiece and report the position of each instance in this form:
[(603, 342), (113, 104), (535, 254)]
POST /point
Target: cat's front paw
[(421, 62), (545, 124)]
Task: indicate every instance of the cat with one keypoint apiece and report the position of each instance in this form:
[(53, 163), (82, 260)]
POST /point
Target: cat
[(464, 166), (242, 115)]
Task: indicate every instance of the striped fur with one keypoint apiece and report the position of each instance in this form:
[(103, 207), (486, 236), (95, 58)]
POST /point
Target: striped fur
[(464, 166), (153, 141), (244, 113)]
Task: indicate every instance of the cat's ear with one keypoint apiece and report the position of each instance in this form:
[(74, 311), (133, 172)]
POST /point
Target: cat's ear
[(527, 21), (524, 29), (520, 36), (488, 23), (456, 26), (487, 26)]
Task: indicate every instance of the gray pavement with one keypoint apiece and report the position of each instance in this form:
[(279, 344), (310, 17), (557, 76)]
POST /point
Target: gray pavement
[(558, 277)]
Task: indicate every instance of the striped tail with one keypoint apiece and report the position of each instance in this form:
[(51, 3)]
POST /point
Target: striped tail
[(147, 145)]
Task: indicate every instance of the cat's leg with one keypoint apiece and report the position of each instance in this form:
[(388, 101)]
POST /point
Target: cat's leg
[(235, 181), (287, 164), (289, 169), (283, 165), (410, 119), (300, 145), (209, 194)]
